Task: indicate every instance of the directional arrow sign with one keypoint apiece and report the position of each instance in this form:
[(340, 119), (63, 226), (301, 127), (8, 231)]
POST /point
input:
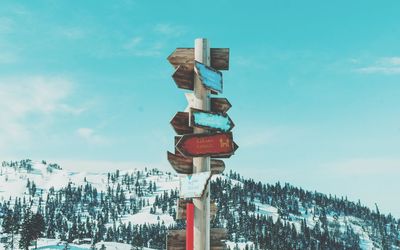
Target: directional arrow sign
[(184, 165), (219, 57), (218, 105), (180, 123), (211, 78), (183, 76), (176, 239), (210, 120), (197, 145), (181, 209), (193, 186)]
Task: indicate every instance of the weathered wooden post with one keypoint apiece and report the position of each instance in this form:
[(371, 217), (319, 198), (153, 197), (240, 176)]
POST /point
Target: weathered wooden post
[(203, 132), (201, 164)]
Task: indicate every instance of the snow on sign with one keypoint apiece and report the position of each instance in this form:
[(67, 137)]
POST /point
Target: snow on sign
[(211, 78), (193, 186)]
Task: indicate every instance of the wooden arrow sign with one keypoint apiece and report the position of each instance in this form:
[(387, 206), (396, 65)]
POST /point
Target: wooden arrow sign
[(219, 57), (180, 123), (181, 209), (218, 105), (184, 165), (183, 76), (210, 120), (198, 145), (211, 78), (176, 239)]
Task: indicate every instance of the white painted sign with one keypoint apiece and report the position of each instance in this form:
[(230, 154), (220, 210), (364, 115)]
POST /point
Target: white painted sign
[(193, 186)]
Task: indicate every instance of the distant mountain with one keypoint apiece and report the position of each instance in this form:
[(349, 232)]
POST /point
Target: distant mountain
[(135, 209)]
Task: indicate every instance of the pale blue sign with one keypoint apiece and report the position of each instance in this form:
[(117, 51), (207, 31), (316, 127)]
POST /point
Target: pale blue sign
[(210, 77), (209, 120)]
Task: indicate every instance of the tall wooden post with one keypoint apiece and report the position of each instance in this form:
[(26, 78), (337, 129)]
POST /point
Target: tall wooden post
[(201, 164)]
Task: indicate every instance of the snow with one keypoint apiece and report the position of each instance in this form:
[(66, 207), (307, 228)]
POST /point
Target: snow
[(13, 184), (144, 217), (44, 243), (240, 245), (267, 210)]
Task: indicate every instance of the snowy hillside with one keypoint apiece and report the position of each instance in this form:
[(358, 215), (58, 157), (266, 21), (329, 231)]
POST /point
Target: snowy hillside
[(130, 209)]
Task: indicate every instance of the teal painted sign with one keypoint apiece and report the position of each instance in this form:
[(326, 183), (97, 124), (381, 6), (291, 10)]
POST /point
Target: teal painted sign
[(210, 120), (211, 78)]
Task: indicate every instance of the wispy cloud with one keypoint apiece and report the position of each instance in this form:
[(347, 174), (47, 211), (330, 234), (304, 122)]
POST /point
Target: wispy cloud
[(7, 57), (151, 42), (6, 25), (72, 33), (138, 46), (169, 29), (385, 65), (91, 136), (22, 98)]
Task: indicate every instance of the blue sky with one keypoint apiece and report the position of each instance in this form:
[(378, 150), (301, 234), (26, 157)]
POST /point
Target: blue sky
[(314, 87)]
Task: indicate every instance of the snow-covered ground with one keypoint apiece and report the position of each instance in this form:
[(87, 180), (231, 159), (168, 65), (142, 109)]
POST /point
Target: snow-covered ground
[(44, 243), (13, 183)]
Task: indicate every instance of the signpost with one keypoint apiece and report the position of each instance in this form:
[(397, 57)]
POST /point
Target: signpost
[(193, 186), (180, 123), (184, 165), (211, 78), (210, 120), (204, 132), (176, 239), (197, 145), (219, 57), (218, 105), (182, 209)]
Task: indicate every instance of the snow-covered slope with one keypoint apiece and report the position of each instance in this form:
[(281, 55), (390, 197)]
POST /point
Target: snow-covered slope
[(147, 199)]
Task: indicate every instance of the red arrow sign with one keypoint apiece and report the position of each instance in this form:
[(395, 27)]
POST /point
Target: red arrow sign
[(197, 145)]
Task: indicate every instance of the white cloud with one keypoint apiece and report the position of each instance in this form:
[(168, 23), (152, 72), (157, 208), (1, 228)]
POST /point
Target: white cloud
[(169, 29), (137, 46), (134, 42), (385, 65), (24, 97), (90, 136)]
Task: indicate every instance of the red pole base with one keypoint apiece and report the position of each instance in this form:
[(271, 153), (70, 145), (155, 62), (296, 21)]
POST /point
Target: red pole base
[(189, 226)]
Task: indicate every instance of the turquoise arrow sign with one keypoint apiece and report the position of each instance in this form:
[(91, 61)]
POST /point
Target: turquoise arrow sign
[(210, 120), (211, 78)]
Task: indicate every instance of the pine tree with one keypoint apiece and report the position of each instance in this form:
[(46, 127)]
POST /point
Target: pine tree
[(27, 232)]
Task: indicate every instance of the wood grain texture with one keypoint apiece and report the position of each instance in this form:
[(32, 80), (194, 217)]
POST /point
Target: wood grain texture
[(219, 57), (184, 165), (220, 105), (180, 123), (183, 76), (176, 239)]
